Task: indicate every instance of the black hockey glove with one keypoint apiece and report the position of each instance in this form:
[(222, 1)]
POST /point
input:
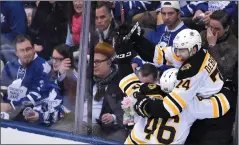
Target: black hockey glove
[(140, 105), (135, 33), (123, 46), (123, 41), (149, 94)]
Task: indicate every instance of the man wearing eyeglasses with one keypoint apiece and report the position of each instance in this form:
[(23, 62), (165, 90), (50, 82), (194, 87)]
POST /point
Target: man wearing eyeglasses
[(25, 82), (107, 115)]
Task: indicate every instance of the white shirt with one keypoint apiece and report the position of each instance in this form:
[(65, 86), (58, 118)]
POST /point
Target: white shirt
[(96, 107)]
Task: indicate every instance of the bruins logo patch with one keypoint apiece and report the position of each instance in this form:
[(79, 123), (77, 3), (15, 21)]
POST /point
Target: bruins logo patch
[(152, 86), (185, 67)]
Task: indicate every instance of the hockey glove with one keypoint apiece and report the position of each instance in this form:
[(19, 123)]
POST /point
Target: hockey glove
[(123, 46), (140, 105), (126, 35)]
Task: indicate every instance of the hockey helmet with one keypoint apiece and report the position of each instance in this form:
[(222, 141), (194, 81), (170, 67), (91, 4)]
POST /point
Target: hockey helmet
[(168, 80), (187, 38)]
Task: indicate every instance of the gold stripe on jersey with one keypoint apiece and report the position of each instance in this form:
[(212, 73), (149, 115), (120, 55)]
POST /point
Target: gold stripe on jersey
[(125, 81), (176, 58), (128, 140), (173, 109), (159, 55), (180, 101), (204, 62), (135, 139), (215, 108), (130, 89), (224, 103), (168, 61), (157, 96)]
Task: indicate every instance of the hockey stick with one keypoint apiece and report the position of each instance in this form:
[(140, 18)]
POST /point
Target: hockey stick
[(136, 26)]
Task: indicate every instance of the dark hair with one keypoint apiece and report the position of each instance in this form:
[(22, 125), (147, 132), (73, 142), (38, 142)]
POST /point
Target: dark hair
[(66, 52), (222, 17), (149, 69), (21, 38), (105, 4)]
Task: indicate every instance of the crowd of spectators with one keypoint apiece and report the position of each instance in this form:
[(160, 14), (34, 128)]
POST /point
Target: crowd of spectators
[(55, 28)]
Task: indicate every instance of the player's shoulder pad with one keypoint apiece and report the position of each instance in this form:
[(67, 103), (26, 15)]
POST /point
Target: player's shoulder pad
[(191, 66)]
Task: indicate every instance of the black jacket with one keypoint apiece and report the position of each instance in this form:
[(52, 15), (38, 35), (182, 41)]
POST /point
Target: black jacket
[(109, 39), (225, 53), (49, 26), (112, 103)]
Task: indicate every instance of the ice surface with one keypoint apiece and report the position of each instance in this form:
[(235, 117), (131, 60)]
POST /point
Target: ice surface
[(14, 136)]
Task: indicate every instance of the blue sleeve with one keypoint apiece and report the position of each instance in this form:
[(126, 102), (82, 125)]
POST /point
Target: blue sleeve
[(137, 60), (188, 10), (203, 6), (164, 67), (230, 9), (129, 5), (154, 35), (191, 7), (18, 21), (150, 36), (145, 5)]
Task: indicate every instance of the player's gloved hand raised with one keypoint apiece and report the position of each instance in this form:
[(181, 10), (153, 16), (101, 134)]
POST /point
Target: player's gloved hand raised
[(125, 35), (123, 47), (129, 32)]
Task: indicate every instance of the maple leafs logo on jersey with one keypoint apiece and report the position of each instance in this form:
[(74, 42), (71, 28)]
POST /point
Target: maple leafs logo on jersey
[(52, 101), (16, 91), (46, 67), (186, 66)]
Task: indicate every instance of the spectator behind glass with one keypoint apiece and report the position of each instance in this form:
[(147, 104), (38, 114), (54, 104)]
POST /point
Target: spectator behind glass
[(207, 8), (48, 27), (75, 9), (107, 115), (105, 24), (165, 33), (65, 76), (13, 20), (13, 23), (223, 46), (221, 42), (26, 82), (64, 73)]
